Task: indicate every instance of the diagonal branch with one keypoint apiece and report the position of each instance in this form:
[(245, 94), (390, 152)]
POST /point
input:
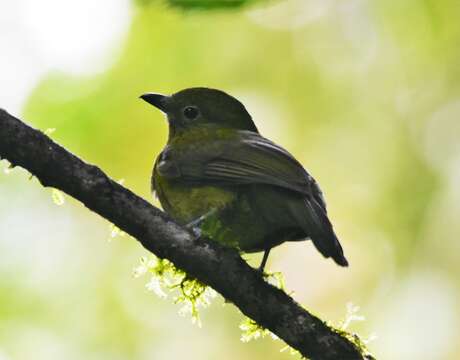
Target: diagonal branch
[(220, 267)]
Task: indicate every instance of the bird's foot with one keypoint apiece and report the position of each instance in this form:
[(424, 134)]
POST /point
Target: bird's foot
[(263, 273), (199, 220), (195, 230), (195, 225), (263, 263)]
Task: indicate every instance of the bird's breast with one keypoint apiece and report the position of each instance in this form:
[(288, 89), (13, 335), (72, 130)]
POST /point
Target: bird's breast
[(186, 202)]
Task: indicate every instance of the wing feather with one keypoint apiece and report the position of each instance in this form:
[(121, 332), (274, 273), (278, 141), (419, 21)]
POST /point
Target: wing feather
[(255, 159)]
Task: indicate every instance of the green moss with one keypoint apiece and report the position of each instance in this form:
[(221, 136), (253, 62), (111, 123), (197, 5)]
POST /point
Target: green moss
[(359, 343), (351, 316), (252, 331)]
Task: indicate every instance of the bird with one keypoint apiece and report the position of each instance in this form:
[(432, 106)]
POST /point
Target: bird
[(218, 176)]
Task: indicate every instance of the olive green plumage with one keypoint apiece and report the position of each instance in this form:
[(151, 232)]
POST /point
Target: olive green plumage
[(219, 174)]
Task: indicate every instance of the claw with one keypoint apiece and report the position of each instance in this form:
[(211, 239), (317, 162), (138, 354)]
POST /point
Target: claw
[(264, 261), (194, 225), (195, 230)]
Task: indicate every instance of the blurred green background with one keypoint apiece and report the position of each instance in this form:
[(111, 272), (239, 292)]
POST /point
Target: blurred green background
[(366, 94)]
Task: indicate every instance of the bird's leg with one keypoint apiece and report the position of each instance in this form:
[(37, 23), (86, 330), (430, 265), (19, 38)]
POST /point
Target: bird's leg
[(194, 225), (264, 260)]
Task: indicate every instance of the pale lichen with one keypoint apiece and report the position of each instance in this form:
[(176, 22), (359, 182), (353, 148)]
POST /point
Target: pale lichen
[(166, 279), (8, 167), (251, 330), (115, 232), (58, 197), (352, 316)]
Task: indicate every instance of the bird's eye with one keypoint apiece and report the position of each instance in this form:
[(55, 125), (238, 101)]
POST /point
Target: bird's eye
[(191, 112)]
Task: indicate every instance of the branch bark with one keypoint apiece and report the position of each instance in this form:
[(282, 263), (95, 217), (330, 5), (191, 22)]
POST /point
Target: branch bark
[(221, 268)]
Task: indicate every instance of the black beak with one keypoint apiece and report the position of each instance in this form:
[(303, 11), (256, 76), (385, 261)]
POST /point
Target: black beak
[(157, 100)]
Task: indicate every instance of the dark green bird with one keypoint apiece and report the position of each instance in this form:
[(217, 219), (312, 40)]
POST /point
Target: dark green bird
[(218, 175)]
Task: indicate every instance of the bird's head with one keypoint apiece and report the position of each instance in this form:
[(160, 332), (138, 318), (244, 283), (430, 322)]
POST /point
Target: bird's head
[(195, 107)]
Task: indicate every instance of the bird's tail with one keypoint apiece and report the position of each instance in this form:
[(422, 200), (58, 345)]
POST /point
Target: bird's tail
[(316, 224)]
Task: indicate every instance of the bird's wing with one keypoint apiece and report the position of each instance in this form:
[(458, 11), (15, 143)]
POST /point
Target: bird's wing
[(249, 159), (252, 159)]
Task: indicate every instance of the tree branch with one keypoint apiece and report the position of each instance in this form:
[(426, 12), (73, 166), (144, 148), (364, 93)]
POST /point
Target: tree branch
[(217, 266)]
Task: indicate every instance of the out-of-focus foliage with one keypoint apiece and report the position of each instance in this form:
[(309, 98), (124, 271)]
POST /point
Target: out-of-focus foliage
[(365, 94), (202, 4)]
